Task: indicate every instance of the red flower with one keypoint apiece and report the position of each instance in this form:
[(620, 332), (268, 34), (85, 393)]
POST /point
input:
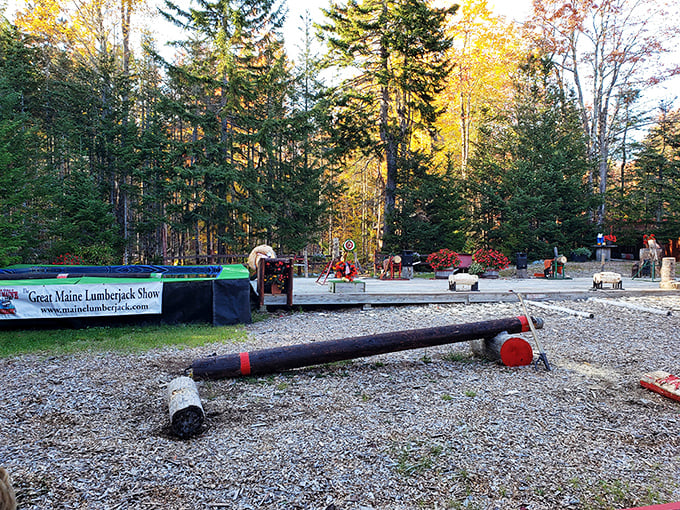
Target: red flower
[(443, 259), (68, 259), (491, 260), (345, 270)]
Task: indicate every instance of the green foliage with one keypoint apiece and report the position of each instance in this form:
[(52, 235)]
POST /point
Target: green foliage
[(398, 50), (652, 201), (428, 213), (89, 226), (20, 200), (528, 171)]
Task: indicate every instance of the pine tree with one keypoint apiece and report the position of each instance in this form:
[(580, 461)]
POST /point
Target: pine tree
[(399, 50), (529, 172)]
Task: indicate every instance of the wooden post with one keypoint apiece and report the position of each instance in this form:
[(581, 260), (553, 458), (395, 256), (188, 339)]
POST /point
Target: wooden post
[(8, 499), (279, 359), (184, 404)]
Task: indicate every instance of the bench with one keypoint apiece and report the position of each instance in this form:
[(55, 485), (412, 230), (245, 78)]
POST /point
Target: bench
[(607, 277), (470, 280)]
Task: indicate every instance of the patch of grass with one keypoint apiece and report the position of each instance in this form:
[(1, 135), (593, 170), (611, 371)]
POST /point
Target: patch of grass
[(446, 396), (470, 393), (458, 357), (122, 339), (615, 494), (416, 458)]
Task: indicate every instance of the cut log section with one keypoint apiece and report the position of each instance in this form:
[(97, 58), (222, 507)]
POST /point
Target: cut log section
[(575, 313), (186, 411), (663, 383), (512, 351), (623, 304)]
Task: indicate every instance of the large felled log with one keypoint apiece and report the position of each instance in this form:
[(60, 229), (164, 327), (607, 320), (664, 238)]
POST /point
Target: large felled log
[(512, 351), (184, 403), (294, 356)]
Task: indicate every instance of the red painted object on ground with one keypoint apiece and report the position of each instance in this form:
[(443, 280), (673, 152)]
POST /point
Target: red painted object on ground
[(667, 506), (663, 383)]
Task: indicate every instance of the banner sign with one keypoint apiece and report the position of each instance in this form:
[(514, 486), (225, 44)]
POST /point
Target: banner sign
[(85, 300)]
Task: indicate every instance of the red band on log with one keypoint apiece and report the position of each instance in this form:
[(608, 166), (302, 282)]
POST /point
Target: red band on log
[(525, 323), (245, 363)]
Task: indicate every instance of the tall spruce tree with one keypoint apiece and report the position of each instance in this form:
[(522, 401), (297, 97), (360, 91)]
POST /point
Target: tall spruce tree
[(397, 52), (529, 169), (20, 201), (653, 202), (254, 174)]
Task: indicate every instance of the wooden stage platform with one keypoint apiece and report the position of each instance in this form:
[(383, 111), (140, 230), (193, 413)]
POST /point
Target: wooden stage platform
[(306, 292)]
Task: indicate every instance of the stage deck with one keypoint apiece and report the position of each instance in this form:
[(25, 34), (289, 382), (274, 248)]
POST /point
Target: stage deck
[(306, 292)]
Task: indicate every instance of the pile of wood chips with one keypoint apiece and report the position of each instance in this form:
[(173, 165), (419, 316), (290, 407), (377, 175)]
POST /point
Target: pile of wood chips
[(429, 428)]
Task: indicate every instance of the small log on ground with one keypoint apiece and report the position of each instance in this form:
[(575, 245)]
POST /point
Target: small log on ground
[(575, 313), (512, 351), (623, 304), (663, 383), (186, 411)]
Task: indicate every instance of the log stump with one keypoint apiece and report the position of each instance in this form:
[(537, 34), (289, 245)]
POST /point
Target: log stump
[(184, 404), (668, 274), (512, 351)]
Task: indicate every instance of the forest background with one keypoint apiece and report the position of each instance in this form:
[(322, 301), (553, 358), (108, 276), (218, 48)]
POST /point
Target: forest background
[(400, 124)]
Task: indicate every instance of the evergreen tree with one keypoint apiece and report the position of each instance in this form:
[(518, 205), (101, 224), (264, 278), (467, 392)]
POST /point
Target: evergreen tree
[(18, 140), (429, 211), (529, 172), (653, 202), (397, 49)]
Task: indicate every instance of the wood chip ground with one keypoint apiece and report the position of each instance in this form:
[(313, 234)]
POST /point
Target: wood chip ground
[(432, 428)]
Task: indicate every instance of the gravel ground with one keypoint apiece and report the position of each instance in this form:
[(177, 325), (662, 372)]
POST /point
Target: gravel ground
[(429, 428)]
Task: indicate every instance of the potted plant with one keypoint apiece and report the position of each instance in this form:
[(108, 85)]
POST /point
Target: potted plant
[(443, 262), (491, 260), (581, 254), (476, 268)]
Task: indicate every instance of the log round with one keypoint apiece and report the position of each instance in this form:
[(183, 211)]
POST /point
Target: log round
[(512, 351), (279, 359), (186, 411), (668, 273)]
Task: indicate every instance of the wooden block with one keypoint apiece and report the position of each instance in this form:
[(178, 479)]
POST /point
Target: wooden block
[(341, 287), (184, 404), (607, 277), (662, 382), (470, 280)]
